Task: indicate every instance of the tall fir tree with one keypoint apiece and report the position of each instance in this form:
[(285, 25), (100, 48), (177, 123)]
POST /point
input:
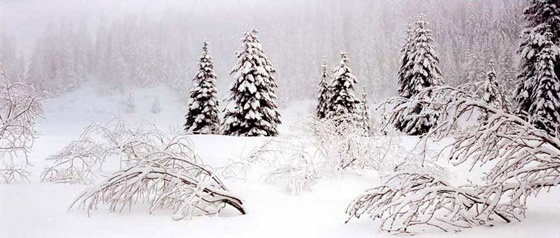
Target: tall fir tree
[(419, 70), (540, 16), (405, 50), (252, 109), (324, 93), (343, 102), (202, 117), (420, 63), (545, 109)]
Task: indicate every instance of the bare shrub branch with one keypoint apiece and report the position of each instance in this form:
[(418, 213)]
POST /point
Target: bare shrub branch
[(20, 105)]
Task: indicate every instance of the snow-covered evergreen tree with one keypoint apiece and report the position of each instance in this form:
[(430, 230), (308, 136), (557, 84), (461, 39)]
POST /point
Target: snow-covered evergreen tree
[(406, 48), (202, 117), (252, 110), (419, 70), (364, 120), (156, 106), (324, 93), (343, 101), (545, 109), (541, 16), (419, 64), (130, 104), (492, 92)]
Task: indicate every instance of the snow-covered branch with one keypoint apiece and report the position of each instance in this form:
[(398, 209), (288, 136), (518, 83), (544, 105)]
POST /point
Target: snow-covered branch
[(162, 181), (520, 160), (20, 105), (317, 148), (411, 199), (81, 160), (161, 170)]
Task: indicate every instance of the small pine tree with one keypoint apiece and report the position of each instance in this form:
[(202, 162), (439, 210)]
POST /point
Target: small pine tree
[(254, 111), (545, 109), (324, 93), (156, 107), (343, 102), (420, 64), (130, 104), (419, 70), (202, 116), (364, 121), (492, 93)]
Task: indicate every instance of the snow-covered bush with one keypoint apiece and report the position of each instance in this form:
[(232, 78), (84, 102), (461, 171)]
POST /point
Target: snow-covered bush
[(520, 160), (293, 165), (160, 170), (20, 105), (163, 180), (83, 159), (317, 148)]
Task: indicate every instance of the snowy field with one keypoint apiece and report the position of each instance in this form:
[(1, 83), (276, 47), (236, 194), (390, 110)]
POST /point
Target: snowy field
[(38, 209)]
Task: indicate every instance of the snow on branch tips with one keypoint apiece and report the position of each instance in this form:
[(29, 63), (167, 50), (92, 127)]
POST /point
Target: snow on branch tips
[(160, 169), (20, 105), (519, 160), (163, 181), (83, 159), (317, 148)]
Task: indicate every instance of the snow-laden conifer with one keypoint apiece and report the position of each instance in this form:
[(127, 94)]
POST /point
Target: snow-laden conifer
[(324, 93), (545, 109), (419, 71), (541, 16), (251, 109), (420, 63), (493, 95), (202, 116), (343, 102)]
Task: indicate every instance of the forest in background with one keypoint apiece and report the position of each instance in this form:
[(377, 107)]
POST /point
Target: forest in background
[(117, 44)]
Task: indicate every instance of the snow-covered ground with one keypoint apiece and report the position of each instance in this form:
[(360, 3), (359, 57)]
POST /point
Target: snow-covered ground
[(38, 209)]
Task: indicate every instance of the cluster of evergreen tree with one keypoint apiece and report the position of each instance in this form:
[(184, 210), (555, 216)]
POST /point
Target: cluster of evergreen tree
[(537, 95), (337, 99), (251, 109), (538, 87)]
